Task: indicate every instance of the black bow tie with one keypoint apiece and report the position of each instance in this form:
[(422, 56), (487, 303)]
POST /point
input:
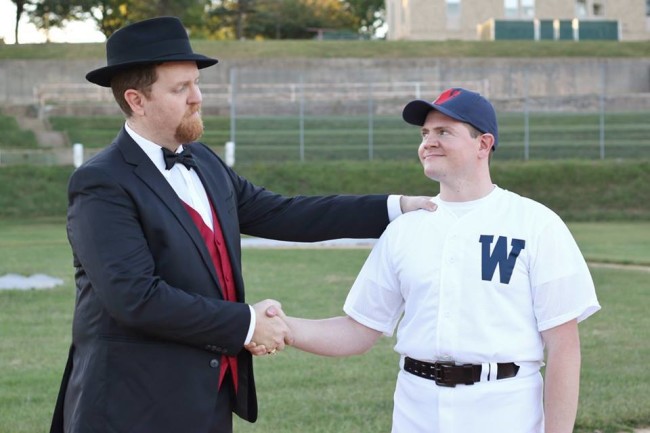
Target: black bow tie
[(185, 158)]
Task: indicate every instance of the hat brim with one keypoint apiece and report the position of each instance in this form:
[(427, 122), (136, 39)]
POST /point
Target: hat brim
[(416, 112), (103, 76)]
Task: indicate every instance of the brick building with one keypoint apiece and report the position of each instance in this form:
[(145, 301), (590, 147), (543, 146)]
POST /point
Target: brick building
[(626, 20)]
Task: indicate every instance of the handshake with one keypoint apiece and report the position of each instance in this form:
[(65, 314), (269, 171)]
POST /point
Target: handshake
[(272, 332)]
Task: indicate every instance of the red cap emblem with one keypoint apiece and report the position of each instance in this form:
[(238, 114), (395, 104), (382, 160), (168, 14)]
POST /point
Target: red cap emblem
[(446, 96)]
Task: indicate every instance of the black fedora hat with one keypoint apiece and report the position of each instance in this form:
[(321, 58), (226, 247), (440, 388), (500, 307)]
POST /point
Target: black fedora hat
[(155, 40)]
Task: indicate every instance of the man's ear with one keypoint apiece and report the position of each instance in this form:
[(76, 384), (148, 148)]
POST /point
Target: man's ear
[(486, 144), (135, 99)]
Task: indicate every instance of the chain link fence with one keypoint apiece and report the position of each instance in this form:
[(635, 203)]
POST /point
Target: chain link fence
[(288, 116), (280, 114)]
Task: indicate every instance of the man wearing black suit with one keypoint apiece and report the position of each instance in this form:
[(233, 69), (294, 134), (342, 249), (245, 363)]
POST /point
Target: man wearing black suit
[(154, 221)]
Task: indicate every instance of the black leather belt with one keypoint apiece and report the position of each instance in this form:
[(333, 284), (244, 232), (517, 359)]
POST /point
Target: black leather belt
[(452, 374)]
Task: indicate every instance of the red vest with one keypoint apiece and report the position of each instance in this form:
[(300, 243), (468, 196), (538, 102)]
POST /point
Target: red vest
[(219, 254)]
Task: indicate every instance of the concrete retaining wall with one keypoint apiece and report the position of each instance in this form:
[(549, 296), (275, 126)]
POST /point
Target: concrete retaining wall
[(505, 78)]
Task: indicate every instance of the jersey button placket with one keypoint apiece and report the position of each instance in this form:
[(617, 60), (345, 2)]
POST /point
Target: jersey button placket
[(451, 287), (447, 276)]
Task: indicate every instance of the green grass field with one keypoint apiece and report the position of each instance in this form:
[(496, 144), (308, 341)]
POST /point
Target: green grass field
[(303, 393), (13, 137)]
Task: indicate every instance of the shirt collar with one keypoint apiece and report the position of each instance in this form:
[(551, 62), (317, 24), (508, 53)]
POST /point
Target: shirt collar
[(152, 149)]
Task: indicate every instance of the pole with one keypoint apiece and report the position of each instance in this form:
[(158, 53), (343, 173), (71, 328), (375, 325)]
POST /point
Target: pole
[(77, 154), (233, 112), (602, 110), (526, 120), (371, 109), (302, 119)]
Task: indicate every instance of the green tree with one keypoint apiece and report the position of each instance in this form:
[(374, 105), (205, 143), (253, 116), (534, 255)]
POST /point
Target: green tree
[(110, 15), (297, 19), (215, 19), (46, 14), (233, 15), (20, 8), (369, 13)]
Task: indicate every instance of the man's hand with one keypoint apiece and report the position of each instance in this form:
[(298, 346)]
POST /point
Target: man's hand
[(271, 332), (408, 203), (256, 350)]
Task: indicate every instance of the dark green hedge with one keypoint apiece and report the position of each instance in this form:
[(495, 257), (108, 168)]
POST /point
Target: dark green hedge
[(577, 190)]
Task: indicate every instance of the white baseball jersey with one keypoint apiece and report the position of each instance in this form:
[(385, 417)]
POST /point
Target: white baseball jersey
[(473, 282)]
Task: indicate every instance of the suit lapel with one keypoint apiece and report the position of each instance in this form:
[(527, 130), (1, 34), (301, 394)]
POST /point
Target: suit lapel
[(150, 175)]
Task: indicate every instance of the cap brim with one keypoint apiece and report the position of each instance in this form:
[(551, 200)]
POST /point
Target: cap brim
[(103, 76), (415, 112)]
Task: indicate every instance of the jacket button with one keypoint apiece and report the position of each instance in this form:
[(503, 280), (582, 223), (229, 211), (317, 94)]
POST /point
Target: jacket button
[(214, 363)]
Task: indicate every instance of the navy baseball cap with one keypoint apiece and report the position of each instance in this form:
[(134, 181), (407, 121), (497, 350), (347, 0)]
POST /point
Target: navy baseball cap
[(460, 104)]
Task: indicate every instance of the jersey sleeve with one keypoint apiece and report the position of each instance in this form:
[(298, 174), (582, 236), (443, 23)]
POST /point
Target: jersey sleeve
[(561, 283), (375, 299)]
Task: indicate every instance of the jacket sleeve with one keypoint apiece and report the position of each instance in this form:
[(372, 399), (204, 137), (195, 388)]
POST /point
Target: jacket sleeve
[(266, 214)]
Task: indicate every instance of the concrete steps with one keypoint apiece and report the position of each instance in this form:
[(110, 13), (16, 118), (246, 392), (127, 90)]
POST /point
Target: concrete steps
[(28, 120)]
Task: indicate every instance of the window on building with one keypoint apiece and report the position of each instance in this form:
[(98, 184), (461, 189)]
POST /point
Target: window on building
[(598, 9), (527, 8), (590, 8), (647, 8), (453, 14), (519, 8), (511, 8)]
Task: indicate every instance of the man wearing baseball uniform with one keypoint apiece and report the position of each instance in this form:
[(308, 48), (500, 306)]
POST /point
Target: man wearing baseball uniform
[(488, 289)]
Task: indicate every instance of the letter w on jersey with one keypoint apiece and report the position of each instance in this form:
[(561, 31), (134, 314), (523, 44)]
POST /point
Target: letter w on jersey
[(499, 256)]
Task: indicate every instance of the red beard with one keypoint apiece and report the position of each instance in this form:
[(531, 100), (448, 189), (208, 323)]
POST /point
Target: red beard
[(190, 128)]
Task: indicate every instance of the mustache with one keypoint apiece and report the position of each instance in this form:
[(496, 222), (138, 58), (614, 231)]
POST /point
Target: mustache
[(194, 109)]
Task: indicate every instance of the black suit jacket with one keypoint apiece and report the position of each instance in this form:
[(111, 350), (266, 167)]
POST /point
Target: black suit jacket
[(150, 322)]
